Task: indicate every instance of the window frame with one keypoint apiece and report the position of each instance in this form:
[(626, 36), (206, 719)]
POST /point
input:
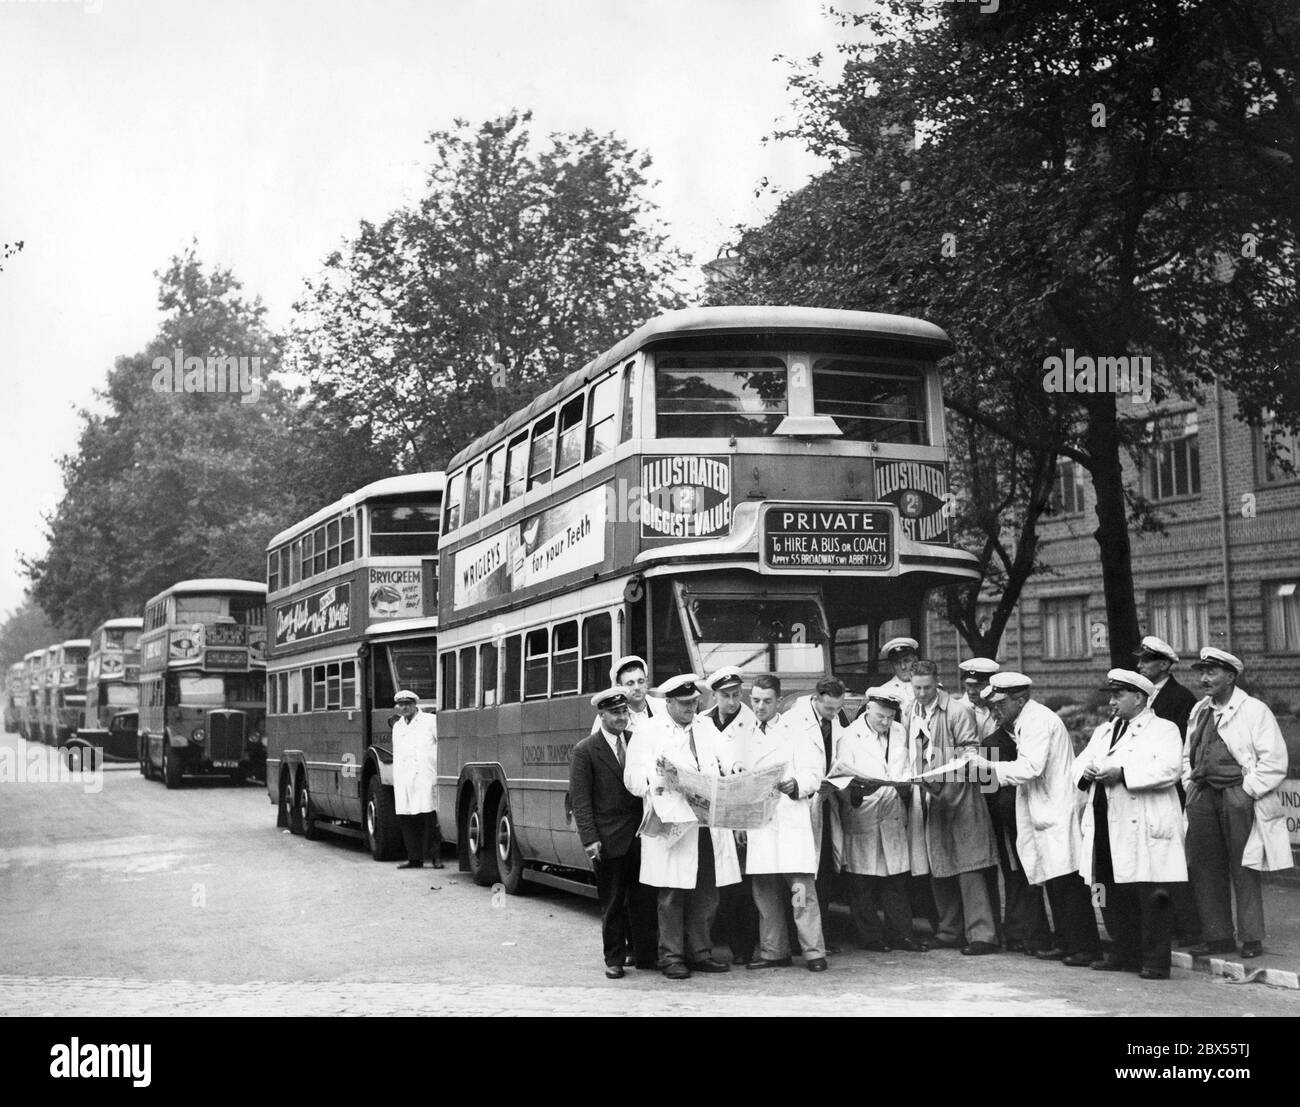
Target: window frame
[(1049, 606)]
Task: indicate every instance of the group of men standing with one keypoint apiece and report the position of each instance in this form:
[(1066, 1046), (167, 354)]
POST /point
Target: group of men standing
[(939, 804)]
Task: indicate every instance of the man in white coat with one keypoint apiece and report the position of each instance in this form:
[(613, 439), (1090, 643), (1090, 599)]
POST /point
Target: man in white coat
[(781, 859), (629, 673), (901, 654), (415, 778), (689, 870), (1133, 826), (1048, 837), (876, 845), (1233, 762)]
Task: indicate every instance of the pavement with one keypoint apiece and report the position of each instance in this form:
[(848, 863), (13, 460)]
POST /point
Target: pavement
[(1279, 966)]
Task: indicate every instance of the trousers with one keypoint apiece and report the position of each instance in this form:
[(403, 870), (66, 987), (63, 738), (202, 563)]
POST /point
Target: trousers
[(1075, 923), (871, 894), (1139, 916), (627, 923), (965, 909), (421, 836), (772, 892), (1026, 914), (1218, 823), (686, 914)]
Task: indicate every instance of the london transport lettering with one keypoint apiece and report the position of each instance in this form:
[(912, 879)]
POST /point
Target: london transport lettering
[(685, 497), (316, 614), (811, 536)]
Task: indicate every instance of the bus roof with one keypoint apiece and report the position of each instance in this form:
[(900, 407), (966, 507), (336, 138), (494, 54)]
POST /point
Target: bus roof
[(125, 623), (721, 320), (210, 584), (33, 655), (402, 626), (405, 485), (75, 644)]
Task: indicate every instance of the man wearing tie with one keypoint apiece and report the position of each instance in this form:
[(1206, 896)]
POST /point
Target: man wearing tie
[(900, 653), (607, 816), (689, 869), (782, 858), (1133, 826)]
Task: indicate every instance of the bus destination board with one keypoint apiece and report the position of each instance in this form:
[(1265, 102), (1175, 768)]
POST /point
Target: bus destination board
[(827, 536)]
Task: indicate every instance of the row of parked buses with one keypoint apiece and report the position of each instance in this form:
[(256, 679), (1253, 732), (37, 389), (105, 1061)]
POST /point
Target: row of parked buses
[(762, 487)]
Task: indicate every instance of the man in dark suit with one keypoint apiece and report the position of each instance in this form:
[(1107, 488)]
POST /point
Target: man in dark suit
[(607, 816), (1155, 661)]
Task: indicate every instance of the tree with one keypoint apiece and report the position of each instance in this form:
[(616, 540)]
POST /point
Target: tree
[(516, 266), (24, 629), (170, 482), (1058, 181), (8, 250)]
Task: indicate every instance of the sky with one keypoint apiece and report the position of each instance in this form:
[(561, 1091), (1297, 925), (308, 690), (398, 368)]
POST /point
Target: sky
[(267, 129)]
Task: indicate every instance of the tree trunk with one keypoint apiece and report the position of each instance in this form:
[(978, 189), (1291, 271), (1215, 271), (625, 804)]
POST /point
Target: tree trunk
[(1112, 533)]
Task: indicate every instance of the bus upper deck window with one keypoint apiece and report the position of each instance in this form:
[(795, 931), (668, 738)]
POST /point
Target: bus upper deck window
[(495, 479), (455, 495), (474, 491), (403, 530), (516, 467), (569, 452), (719, 395), (871, 401), (348, 538), (601, 412), (541, 456)]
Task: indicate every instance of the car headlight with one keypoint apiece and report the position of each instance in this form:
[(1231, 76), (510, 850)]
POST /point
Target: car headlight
[(197, 735)]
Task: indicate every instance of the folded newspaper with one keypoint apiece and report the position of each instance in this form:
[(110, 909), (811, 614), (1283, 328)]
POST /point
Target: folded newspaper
[(745, 801), (842, 774)]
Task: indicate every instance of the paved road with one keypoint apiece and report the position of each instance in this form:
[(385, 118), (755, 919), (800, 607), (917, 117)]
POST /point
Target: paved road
[(130, 899)]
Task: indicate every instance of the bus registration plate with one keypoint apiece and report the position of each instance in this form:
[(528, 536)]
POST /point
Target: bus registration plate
[(827, 536)]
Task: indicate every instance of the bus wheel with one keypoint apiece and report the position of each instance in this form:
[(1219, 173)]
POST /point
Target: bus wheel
[(482, 854), (510, 861), (303, 807), (171, 769), (144, 763), (284, 803), (380, 822)]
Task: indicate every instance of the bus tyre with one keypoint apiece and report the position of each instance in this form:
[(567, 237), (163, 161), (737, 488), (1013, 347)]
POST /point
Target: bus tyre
[(289, 802), (481, 850), (510, 861), (283, 801), (144, 754), (303, 806), (383, 838), (171, 769)]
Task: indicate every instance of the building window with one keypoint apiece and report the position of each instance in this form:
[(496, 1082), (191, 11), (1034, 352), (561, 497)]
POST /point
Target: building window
[(1279, 454), (1065, 628), (1282, 616), (719, 396), (1067, 493), (1173, 466), (1179, 616)]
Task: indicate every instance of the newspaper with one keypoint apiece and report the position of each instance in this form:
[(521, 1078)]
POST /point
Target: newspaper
[(842, 774), (745, 801)]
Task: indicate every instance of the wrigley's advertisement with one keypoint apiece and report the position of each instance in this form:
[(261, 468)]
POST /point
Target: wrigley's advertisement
[(545, 546)]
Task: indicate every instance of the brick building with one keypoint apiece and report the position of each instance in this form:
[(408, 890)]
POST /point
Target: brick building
[(1225, 572)]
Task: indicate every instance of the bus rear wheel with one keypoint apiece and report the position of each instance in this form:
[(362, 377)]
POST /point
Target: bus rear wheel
[(171, 769), (383, 838), (303, 807), (285, 815), (482, 853), (510, 861)]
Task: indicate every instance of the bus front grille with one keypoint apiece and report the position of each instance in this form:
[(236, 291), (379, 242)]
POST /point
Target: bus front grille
[(226, 737)]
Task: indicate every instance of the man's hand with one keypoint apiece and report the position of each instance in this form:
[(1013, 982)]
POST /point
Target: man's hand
[(788, 786), (1109, 775), (593, 851)]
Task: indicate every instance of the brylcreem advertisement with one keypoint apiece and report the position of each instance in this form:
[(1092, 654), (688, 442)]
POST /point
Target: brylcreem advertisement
[(544, 546), (395, 593)]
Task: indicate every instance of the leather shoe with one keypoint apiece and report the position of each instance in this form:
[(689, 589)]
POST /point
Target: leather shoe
[(978, 949), (1014, 945), (677, 971), (614, 972), (741, 959), (1080, 960), (709, 965), (877, 947), (647, 964), (765, 963), (832, 949), (1252, 949), (1050, 954), (1219, 945), (1153, 974), (910, 945), (946, 943), (817, 964), (438, 864), (1110, 964), (411, 865), (629, 960)]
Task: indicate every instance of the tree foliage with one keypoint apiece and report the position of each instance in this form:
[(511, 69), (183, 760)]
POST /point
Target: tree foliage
[(1116, 179), (24, 629), (520, 262)]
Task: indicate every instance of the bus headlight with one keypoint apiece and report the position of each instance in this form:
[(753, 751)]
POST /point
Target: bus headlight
[(255, 739), (197, 736)]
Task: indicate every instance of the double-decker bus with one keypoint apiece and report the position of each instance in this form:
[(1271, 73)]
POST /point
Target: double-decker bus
[(67, 689), (202, 681), (34, 702), (352, 592), (15, 695), (755, 486), (113, 689)]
